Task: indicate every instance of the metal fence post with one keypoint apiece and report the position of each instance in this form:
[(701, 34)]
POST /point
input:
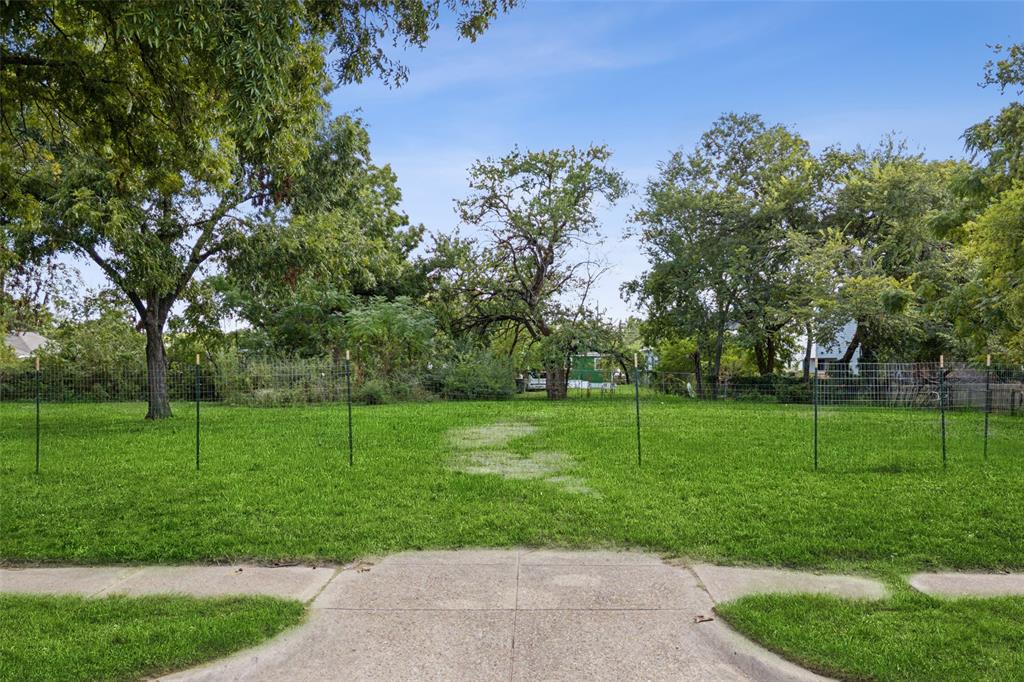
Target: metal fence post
[(814, 399), (988, 401), (38, 387), (348, 393), (197, 411), (942, 406), (636, 394)]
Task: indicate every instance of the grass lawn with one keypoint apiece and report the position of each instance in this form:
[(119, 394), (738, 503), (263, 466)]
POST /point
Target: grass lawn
[(121, 638), (726, 482), (907, 637)]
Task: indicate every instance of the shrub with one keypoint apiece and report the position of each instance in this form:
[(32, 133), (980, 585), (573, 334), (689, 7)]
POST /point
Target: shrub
[(371, 392), (475, 375), (794, 390), (770, 388)]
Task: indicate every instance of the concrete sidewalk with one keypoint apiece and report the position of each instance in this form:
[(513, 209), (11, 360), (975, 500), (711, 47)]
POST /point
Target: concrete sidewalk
[(515, 614), (480, 615), (290, 582), (969, 584), (508, 615)]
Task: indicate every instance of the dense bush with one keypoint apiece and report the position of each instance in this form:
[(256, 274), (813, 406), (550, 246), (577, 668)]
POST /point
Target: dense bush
[(671, 383), (372, 392), (474, 375), (769, 388), (794, 390), (269, 382), (378, 391)]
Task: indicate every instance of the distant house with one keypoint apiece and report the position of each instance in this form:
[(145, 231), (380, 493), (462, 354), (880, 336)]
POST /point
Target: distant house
[(831, 352), (593, 370), (606, 368), (589, 367), (649, 358), (25, 344)]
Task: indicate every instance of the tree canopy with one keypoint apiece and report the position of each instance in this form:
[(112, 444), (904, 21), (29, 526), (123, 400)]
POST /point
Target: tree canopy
[(526, 274), (186, 150), (993, 210), (342, 239), (717, 225), (156, 84), (144, 135)]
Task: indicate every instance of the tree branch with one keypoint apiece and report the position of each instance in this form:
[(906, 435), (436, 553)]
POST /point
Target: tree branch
[(115, 277), (22, 59)]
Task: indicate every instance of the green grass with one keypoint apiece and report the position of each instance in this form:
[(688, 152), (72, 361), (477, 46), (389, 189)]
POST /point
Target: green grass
[(909, 637), (122, 638), (728, 482)]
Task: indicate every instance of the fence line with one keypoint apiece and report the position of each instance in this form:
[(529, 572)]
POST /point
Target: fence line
[(887, 385), (832, 388), (297, 382)]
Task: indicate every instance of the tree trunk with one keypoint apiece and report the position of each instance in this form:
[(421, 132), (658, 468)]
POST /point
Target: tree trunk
[(156, 368), (807, 355), (760, 358), (716, 373), (765, 353), (625, 370), (698, 374), (852, 348), (556, 383)]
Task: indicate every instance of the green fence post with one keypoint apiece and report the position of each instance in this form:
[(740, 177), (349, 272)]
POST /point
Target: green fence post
[(37, 413), (636, 393), (988, 401), (348, 392), (814, 399), (197, 411), (942, 406)]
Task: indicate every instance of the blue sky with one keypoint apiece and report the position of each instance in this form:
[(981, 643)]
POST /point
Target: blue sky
[(647, 78)]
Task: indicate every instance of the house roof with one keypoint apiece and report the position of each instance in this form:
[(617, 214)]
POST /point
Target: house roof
[(24, 344)]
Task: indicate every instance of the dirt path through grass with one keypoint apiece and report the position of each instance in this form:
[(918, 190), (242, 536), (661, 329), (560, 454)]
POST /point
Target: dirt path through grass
[(486, 450)]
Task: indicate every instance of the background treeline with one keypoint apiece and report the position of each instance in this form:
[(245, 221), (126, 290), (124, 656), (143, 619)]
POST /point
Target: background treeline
[(269, 234)]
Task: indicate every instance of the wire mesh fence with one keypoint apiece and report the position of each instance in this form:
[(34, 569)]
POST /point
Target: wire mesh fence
[(892, 416), (253, 383), (874, 416), (878, 385), (274, 383), (49, 390)]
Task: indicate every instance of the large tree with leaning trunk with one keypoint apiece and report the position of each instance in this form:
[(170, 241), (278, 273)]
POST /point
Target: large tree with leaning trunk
[(527, 269)]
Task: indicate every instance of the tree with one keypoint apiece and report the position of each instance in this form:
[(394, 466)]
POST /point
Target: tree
[(622, 341), (987, 225), (390, 336), (149, 81), (150, 242), (717, 227), (997, 246), (342, 240), (140, 135), (524, 275), (882, 264), (678, 357)]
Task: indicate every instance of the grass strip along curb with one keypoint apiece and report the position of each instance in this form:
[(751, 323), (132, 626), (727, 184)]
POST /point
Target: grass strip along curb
[(909, 637), (67, 638)]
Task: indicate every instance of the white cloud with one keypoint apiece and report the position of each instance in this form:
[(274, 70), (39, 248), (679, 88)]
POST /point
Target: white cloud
[(540, 42)]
